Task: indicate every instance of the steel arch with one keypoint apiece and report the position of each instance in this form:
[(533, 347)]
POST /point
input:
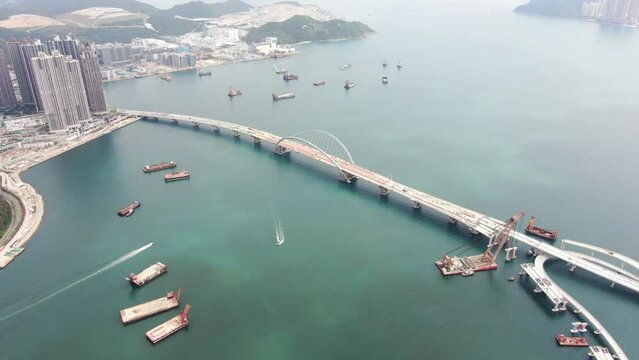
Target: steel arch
[(348, 153)]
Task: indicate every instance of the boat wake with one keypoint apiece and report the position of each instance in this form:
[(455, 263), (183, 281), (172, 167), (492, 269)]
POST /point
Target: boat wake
[(77, 282), (279, 231)]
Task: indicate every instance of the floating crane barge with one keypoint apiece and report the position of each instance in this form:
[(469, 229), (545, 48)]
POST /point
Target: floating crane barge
[(151, 308), (169, 327), (147, 274)]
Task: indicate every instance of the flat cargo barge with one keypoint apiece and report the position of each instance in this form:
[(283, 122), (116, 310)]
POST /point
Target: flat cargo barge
[(541, 232), (177, 175), (564, 340), (147, 274), (277, 97), (129, 210), (161, 166), (150, 308), (169, 327)]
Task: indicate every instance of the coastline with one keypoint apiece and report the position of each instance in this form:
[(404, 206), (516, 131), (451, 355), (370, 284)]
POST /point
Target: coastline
[(30, 200)]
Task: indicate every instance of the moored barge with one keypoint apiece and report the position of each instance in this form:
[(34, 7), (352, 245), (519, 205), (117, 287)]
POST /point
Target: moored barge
[(288, 76), (177, 175), (318, 83), (169, 327), (151, 308), (564, 340), (147, 274), (541, 232), (160, 166), (128, 211), (234, 92)]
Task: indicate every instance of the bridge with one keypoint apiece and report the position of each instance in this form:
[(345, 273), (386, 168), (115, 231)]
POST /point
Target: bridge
[(476, 222)]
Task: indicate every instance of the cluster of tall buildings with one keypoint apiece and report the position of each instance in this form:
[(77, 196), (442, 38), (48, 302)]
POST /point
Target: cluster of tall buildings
[(623, 12), (60, 77), (115, 54), (178, 60)]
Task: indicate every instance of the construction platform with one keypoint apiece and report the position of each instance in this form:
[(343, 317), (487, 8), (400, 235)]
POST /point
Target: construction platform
[(554, 294), (150, 308), (465, 265), (147, 274), (600, 353), (169, 327)]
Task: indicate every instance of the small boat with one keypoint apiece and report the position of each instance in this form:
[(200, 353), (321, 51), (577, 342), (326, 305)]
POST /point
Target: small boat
[(128, 211), (564, 340), (541, 232), (384, 64), (283, 96), (318, 83), (204, 73), (346, 66), (279, 71), (348, 85), (288, 76), (137, 77), (467, 273), (166, 78), (235, 92), (512, 278), (400, 65), (384, 79)]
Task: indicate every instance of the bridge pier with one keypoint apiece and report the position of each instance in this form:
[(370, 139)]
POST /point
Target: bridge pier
[(196, 125), (473, 231), (236, 134), (216, 129), (347, 177), (417, 205), (281, 150), (383, 191), (174, 121), (452, 220), (572, 267), (511, 253), (256, 140)]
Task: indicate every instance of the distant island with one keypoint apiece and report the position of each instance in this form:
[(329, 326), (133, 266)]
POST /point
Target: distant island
[(302, 28), (617, 12)]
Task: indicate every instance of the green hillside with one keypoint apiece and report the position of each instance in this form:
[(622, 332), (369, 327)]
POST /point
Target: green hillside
[(304, 28)]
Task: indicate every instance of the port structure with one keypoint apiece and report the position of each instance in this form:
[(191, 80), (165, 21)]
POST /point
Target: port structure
[(452, 265), (475, 222)]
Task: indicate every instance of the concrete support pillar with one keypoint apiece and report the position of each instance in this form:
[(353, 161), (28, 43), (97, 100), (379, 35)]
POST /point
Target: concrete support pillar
[(256, 140), (236, 134), (196, 125), (216, 129), (572, 267), (555, 308), (347, 177), (563, 306), (417, 205), (174, 121), (473, 231), (452, 220), (383, 191), (281, 150), (537, 289)]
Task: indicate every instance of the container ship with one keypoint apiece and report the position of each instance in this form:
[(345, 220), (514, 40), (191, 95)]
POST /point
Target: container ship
[(147, 274), (234, 92), (169, 327), (289, 76), (157, 167), (348, 85), (541, 232), (564, 340), (283, 96), (318, 83), (177, 175), (129, 210)]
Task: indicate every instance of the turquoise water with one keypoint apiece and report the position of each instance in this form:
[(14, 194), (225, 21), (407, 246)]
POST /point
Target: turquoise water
[(495, 111)]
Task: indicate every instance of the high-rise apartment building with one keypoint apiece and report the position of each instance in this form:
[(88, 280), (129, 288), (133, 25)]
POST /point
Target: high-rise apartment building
[(115, 54), (61, 89), (21, 54), (7, 95), (92, 79), (67, 46)]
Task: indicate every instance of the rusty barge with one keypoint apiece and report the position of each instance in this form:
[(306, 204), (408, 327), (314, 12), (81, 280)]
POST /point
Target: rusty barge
[(177, 175), (157, 167), (147, 274), (142, 311), (169, 327), (541, 232)]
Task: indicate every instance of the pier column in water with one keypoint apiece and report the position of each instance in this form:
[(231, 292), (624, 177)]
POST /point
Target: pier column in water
[(452, 220), (256, 140), (174, 121), (281, 150), (417, 204), (216, 129), (236, 134), (383, 191), (347, 177)]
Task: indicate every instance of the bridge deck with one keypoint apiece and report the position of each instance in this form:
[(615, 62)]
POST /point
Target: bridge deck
[(475, 221), (554, 294)]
